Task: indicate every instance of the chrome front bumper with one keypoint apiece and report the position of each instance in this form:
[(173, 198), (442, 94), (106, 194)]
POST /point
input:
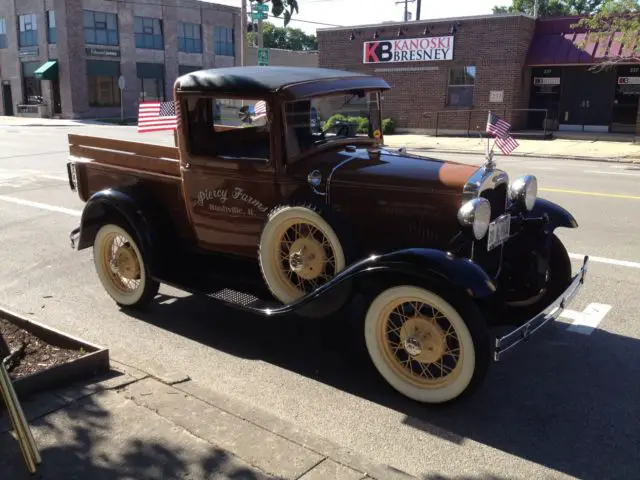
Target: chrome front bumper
[(552, 312)]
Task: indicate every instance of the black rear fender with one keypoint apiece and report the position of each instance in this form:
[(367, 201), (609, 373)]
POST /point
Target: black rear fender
[(143, 218)]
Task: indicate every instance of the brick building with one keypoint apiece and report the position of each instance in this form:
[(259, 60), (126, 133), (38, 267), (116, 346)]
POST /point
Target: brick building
[(446, 74), (64, 57)]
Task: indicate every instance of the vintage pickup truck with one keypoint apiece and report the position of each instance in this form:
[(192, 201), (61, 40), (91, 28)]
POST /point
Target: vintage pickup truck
[(267, 209)]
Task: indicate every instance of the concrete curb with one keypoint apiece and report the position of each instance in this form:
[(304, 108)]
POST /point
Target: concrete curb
[(341, 462), (423, 150)]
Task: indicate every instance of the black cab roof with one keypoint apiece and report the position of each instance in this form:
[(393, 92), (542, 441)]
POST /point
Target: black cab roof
[(292, 81)]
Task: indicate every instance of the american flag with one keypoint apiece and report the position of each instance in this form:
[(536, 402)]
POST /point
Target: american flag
[(497, 126), (157, 116), (507, 144), (260, 108)]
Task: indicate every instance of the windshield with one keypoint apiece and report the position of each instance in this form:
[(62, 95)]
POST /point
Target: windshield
[(313, 122)]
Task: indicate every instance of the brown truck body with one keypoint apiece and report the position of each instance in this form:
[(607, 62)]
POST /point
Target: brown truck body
[(294, 206)]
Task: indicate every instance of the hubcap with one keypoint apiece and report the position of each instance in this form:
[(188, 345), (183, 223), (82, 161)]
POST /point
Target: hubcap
[(307, 258), (126, 262)]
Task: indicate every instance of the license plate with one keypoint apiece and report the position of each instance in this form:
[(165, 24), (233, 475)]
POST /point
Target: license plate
[(498, 231)]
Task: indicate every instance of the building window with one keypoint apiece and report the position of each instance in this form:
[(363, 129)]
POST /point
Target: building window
[(148, 33), (102, 77), (150, 81), (28, 30), (100, 28), (224, 41), (189, 38), (460, 89), (185, 69), (4, 41), (52, 34)]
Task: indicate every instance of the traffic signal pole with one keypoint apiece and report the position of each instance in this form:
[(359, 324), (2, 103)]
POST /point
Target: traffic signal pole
[(243, 29)]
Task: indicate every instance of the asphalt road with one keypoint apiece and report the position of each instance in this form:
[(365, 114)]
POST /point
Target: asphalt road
[(566, 404)]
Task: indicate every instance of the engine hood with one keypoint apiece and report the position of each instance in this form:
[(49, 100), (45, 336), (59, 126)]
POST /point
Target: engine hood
[(399, 170)]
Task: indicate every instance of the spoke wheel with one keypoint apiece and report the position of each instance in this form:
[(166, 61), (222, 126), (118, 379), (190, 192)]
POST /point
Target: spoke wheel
[(299, 252), (422, 345), (120, 267)]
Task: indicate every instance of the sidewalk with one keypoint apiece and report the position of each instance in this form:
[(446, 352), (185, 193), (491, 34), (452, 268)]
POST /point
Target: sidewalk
[(133, 425), (599, 150)]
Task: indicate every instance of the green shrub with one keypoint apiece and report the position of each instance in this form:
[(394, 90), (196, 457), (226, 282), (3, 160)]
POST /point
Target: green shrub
[(388, 126), (361, 123)]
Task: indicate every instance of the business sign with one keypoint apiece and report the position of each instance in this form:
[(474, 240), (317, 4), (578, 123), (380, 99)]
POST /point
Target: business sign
[(426, 49), (102, 52), (546, 80), (628, 80)]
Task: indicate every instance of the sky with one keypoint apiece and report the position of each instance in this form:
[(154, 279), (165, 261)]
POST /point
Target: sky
[(362, 12)]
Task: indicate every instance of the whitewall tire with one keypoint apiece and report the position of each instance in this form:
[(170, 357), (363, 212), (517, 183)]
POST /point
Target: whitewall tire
[(121, 269), (422, 346), (298, 251)]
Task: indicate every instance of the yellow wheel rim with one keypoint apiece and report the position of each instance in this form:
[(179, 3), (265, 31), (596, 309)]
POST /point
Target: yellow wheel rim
[(419, 343)]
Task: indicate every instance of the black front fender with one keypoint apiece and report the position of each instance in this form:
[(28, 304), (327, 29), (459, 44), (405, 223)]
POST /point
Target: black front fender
[(558, 216), (418, 265), (145, 221)]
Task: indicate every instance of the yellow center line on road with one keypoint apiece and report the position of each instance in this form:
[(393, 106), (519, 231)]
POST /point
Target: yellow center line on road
[(593, 194)]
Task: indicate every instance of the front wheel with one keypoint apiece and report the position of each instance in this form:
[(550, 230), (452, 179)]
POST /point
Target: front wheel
[(121, 268), (425, 347)]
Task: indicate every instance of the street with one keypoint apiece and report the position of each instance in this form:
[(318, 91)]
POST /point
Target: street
[(563, 405)]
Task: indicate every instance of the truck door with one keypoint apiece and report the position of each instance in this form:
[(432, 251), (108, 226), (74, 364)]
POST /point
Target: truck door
[(228, 172)]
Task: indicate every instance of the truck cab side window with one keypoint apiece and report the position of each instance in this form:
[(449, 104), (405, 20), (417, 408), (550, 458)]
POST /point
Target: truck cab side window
[(229, 128)]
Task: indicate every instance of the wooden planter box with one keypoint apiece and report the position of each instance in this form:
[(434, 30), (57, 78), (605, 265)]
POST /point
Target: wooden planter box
[(93, 362)]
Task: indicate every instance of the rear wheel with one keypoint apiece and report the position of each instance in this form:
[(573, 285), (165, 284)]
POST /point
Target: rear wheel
[(429, 349), (121, 268)]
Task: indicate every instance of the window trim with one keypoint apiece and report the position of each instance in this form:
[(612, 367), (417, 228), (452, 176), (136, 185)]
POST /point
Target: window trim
[(152, 35), (95, 28), (51, 29), (221, 46), (182, 36), (4, 39), (33, 22), (472, 86)]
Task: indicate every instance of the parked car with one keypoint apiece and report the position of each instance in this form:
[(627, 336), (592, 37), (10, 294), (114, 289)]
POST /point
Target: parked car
[(283, 219)]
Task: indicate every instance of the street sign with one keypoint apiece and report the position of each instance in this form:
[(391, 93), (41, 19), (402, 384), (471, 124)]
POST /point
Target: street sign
[(261, 7), (259, 16), (263, 56), (121, 82)]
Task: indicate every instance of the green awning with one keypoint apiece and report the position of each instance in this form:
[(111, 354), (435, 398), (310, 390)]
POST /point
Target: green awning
[(47, 71)]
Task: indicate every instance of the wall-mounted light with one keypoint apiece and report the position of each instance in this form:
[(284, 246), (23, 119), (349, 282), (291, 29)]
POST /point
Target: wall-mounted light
[(352, 36), (400, 33), (425, 31), (454, 27), (376, 35)]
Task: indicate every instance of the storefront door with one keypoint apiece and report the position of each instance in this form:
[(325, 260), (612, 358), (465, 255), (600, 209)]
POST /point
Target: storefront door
[(8, 99), (586, 102)]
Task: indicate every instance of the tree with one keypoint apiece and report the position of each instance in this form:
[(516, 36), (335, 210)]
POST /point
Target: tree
[(287, 38), (282, 7), (548, 8), (620, 17)]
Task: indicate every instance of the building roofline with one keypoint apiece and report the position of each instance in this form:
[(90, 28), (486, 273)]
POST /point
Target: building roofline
[(425, 21)]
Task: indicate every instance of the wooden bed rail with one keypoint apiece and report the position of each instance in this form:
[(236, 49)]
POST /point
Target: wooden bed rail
[(123, 153)]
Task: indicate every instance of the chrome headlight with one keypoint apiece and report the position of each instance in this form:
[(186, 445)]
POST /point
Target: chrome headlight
[(475, 215), (524, 191)]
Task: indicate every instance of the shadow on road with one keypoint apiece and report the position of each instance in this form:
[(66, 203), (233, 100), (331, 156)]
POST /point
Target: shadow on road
[(564, 400), (93, 438)]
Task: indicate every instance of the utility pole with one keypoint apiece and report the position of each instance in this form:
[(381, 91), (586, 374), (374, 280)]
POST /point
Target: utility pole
[(406, 8), (243, 29), (535, 9), (418, 9)]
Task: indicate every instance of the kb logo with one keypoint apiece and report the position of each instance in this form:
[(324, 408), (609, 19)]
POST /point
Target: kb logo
[(375, 52)]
